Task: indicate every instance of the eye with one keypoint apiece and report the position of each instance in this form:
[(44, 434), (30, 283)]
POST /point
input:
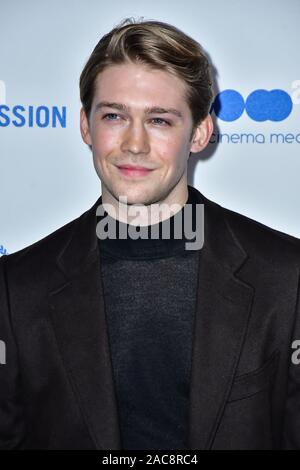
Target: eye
[(110, 114), (161, 121)]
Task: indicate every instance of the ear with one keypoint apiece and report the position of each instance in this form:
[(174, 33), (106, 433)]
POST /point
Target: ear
[(202, 135), (84, 128)]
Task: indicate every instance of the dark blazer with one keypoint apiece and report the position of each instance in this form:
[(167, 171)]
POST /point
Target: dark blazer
[(57, 389)]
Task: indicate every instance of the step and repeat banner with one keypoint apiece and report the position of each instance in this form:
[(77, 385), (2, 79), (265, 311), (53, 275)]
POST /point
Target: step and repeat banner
[(252, 163)]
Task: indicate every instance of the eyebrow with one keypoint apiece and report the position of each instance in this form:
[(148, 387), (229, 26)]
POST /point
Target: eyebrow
[(147, 110)]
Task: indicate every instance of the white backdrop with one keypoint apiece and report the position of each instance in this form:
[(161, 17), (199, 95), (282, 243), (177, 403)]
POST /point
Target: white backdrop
[(47, 176)]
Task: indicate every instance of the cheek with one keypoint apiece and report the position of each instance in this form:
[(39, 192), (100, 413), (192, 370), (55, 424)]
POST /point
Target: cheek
[(173, 152), (104, 141)]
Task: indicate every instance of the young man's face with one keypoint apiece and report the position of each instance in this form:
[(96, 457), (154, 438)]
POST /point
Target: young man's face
[(132, 135)]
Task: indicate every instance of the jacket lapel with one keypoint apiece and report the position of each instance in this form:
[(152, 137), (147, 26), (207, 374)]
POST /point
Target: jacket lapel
[(78, 318), (223, 308)]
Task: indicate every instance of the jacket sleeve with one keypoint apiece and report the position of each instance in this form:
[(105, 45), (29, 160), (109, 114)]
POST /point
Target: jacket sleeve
[(291, 430), (11, 413)]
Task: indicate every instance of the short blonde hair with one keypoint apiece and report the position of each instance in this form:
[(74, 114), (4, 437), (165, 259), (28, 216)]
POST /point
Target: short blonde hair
[(160, 46)]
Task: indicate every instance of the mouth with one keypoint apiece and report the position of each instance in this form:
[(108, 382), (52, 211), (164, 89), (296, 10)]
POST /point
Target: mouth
[(134, 171)]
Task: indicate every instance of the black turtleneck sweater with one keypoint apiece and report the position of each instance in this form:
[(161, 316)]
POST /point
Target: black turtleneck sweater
[(149, 294)]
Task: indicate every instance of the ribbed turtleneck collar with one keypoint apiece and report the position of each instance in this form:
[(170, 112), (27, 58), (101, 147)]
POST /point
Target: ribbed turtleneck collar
[(147, 248)]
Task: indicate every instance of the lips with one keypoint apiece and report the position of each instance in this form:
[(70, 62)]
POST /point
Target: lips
[(134, 171), (132, 167)]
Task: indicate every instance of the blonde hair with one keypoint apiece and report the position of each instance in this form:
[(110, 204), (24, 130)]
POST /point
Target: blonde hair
[(160, 46)]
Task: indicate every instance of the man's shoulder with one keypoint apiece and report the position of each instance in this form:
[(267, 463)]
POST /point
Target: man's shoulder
[(45, 249), (258, 238)]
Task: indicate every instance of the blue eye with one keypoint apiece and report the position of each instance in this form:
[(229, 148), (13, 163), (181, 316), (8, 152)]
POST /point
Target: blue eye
[(110, 114), (162, 120)]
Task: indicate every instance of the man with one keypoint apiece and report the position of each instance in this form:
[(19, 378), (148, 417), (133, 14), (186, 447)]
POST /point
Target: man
[(138, 342)]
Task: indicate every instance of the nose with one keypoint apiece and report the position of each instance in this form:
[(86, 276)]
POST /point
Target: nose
[(135, 139)]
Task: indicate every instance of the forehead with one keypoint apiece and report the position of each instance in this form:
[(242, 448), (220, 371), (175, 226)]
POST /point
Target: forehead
[(140, 83)]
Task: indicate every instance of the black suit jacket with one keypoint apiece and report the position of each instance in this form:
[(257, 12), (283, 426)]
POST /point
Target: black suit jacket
[(57, 389)]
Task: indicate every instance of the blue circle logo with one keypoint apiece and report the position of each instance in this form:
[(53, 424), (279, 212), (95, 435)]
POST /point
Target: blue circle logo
[(261, 105)]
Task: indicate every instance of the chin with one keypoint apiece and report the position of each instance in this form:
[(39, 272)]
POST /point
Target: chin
[(131, 200), (134, 196)]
